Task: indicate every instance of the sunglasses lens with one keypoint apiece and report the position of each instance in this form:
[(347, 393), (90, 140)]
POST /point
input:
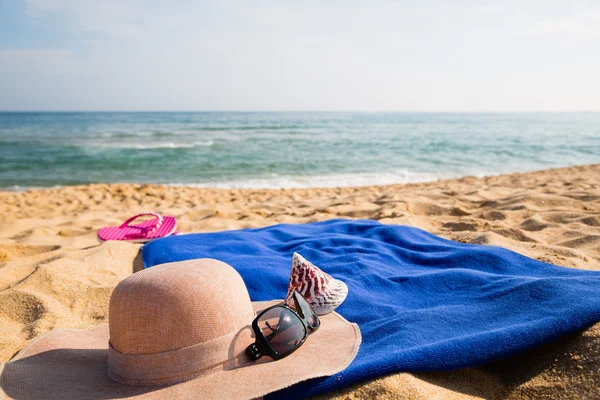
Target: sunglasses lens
[(282, 329), (308, 312)]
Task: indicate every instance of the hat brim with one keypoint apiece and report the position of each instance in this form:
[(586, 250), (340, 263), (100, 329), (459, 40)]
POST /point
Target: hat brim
[(72, 364)]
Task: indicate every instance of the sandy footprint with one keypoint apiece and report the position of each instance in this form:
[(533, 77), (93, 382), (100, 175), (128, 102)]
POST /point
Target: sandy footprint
[(12, 251), (591, 242), (534, 224), (21, 307), (73, 232), (493, 215), (591, 221)]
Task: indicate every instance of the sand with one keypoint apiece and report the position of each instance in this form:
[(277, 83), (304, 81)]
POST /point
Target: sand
[(54, 274)]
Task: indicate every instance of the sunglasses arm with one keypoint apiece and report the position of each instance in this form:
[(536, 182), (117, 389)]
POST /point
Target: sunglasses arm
[(254, 352)]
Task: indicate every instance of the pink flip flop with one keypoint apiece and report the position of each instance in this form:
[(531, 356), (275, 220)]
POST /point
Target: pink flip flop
[(154, 228)]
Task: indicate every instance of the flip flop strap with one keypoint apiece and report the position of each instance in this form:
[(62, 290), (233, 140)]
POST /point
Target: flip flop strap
[(158, 220)]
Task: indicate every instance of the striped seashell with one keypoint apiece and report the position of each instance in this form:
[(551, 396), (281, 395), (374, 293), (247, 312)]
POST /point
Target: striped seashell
[(322, 291)]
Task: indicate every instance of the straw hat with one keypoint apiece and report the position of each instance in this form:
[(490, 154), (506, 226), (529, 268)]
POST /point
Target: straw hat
[(176, 330)]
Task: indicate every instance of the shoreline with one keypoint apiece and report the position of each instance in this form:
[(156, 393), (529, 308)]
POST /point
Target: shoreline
[(223, 185), (240, 185), (54, 274)]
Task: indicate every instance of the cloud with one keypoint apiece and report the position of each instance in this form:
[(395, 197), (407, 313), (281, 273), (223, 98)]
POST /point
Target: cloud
[(490, 9), (583, 24), (127, 21), (31, 77), (268, 55)]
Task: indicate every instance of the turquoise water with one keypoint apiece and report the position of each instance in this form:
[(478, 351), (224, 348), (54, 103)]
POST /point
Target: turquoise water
[(271, 150)]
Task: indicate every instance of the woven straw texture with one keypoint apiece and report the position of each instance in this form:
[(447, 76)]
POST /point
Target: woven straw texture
[(179, 331)]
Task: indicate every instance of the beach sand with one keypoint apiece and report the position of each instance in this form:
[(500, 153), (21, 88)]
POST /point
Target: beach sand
[(54, 274)]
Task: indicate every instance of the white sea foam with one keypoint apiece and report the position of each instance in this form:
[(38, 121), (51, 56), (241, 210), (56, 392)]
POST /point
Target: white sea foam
[(324, 181), (19, 188), (300, 182), (170, 145), (155, 145)]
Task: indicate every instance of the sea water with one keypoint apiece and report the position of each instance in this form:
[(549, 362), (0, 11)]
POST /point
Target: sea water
[(281, 149)]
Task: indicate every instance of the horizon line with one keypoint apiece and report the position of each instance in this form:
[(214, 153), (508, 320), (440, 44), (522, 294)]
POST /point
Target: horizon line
[(310, 111)]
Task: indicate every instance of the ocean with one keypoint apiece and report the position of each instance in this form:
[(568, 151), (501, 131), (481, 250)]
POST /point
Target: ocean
[(285, 149)]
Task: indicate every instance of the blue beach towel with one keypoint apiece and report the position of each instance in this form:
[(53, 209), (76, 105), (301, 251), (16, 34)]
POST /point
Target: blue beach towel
[(423, 303)]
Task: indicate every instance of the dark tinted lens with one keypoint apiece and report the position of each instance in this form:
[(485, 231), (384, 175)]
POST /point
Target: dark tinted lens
[(282, 329), (307, 312)]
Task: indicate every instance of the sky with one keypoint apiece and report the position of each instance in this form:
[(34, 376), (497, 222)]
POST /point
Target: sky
[(147, 55)]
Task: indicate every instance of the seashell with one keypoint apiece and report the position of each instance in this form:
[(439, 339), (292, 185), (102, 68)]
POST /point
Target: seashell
[(322, 291)]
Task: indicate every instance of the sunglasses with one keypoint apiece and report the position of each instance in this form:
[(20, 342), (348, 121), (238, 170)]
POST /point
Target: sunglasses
[(280, 330)]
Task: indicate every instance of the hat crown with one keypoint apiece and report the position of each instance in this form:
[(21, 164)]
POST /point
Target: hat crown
[(172, 306)]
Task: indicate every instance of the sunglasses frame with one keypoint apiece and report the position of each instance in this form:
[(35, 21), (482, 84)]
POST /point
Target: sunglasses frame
[(261, 346)]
